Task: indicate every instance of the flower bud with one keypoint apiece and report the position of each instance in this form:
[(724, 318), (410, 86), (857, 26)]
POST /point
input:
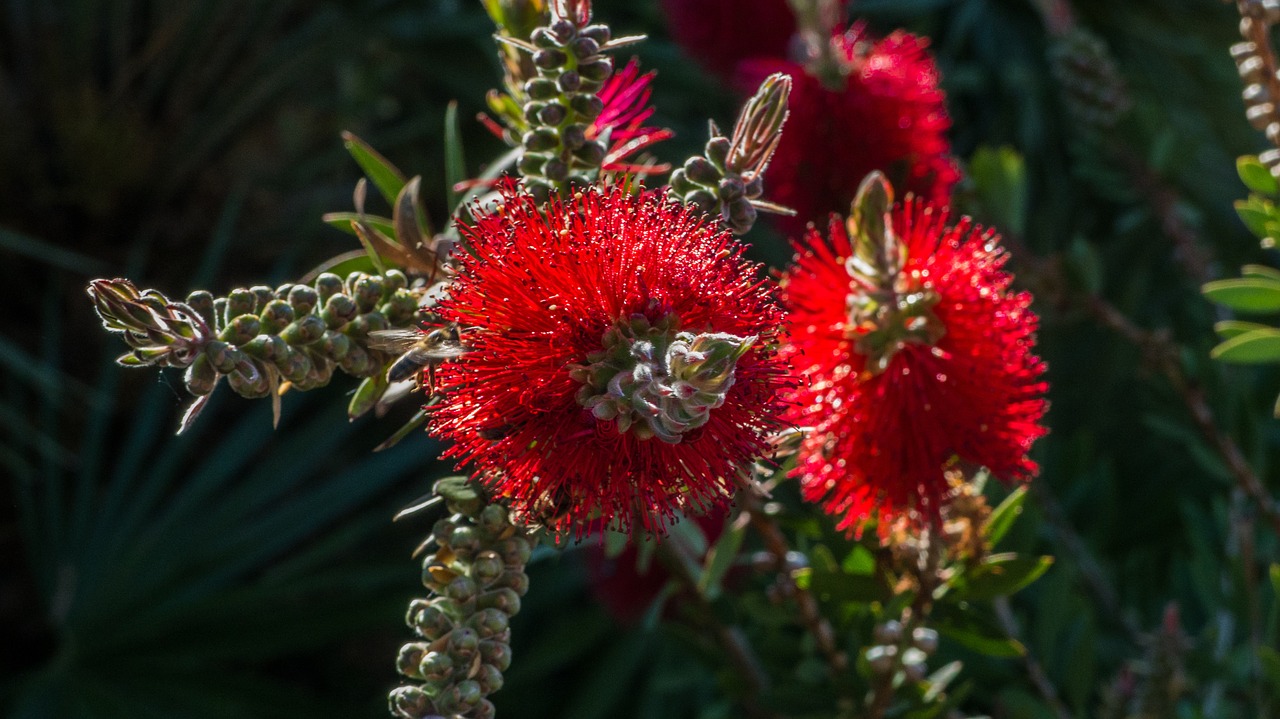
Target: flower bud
[(550, 58), (503, 599), (882, 658), (552, 113), (463, 644), (573, 136), (540, 140), (570, 81), (597, 70), (368, 293), (410, 702), (531, 163), (409, 659), (239, 302), (462, 589), (338, 310), (584, 47), (240, 329), (591, 153), (600, 33), (489, 678), (717, 151), (435, 667), (515, 551), (888, 633), (276, 314), (486, 567), (514, 580), (488, 623), (925, 639), (327, 285), (555, 170), (428, 619), (588, 107), (563, 31), (496, 653), (201, 377), (202, 302), (484, 710)]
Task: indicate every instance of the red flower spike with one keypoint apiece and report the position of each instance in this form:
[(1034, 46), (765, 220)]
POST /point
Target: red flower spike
[(622, 364), (916, 357), (626, 108), (890, 115), (720, 33)]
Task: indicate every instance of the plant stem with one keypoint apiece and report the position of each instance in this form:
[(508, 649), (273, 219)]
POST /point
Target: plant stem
[(1043, 684), (776, 544), (680, 560)]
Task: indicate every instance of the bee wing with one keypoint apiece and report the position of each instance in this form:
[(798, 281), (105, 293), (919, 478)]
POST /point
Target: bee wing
[(450, 350), (393, 340)]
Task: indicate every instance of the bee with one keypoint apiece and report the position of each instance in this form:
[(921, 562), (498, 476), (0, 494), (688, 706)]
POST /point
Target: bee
[(418, 350)]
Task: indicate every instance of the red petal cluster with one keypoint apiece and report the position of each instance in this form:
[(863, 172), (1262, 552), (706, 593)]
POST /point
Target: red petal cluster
[(626, 110), (880, 442), (720, 33), (537, 291), (889, 116)]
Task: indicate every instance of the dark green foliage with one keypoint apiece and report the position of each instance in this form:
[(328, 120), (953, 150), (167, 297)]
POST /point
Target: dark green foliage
[(241, 572)]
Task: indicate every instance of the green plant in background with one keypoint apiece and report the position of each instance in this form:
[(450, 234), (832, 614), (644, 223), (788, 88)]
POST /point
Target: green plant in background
[(1153, 497)]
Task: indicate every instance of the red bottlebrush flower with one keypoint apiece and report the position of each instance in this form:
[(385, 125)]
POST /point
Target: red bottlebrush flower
[(918, 354), (888, 114), (721, 33), (622, 364), (626, 108)]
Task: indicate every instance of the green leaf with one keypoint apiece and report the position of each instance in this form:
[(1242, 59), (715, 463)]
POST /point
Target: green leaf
[(841, 587), (1247, 294), (1256, 176), (720, 558), (859, 561), (455, 166), (363, 233), (1253, 347), (341, 265), (343, 221), (1254, 215), (1004, 515), (1227, 329), (999, 576), (1260, 272), (418, 419), (973, 637), (384, 175), (367, 395), (999, 175)]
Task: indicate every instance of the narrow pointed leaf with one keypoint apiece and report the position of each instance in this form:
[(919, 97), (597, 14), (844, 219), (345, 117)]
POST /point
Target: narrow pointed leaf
[(1253, 347), (1247, 294), (418, 419), (455, 166), (385, 176)]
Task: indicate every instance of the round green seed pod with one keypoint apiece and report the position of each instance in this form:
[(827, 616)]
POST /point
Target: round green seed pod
[(409, 658)]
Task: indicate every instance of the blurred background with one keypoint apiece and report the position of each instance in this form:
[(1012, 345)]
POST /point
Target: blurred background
[(240, 571)]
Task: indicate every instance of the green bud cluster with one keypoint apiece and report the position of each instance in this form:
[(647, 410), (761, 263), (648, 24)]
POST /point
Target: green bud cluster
[(476, 577), (708, 183), (259, 337), (888, 308), (727, 181), (1093, 89), (657, 382), (895, 649), (560, 104)]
